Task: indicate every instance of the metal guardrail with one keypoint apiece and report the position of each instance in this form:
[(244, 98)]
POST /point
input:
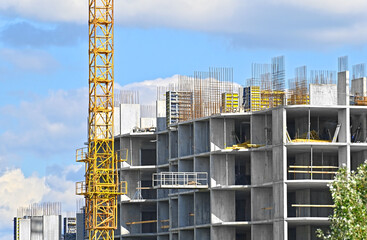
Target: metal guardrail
[(81, 188), (180, 180), (82, 154), (304, 210), (121, 155), (313, 170)]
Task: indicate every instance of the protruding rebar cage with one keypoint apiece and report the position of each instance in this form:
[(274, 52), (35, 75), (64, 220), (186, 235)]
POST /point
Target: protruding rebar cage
[(201, 95), (266, 87)]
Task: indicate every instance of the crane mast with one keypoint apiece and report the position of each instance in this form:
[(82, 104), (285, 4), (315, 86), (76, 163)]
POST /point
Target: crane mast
[(101, 186)]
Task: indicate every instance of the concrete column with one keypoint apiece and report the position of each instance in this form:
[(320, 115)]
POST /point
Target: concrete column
[(186, 234), (279, 156), (222, 170), (216, 134), (185, 140), (201, 137), (280, 200), (343, 88), (279, 121), (223, 206), (163, 214), (186, 210), (262, 232), (163, 237), (25, 229), (261, 167), (280, 230), (344, 121), (202, 208), (258, 129), (117, 121), (359, 87), (202, 234), (161, 115), (162, 149), (130, 213), (52, 227), (344, 156), (173, 213), (229, 129), (262, 204), (128, 123), (221, 233), (173, 236), (173, 144)]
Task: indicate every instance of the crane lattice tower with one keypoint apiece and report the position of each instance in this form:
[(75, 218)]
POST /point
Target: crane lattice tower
[(101, 186)]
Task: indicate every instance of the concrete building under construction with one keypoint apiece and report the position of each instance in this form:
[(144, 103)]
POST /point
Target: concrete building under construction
[(216, 161), (38, 222)]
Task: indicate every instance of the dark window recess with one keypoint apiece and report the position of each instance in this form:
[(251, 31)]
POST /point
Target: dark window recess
[(149, 227), (148, 157), (291, 199), (292, 233), (241, 178), (148, 193)]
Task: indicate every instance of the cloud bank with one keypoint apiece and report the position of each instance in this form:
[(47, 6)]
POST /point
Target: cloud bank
[(26, 34), (262, 23), (16, 191), (46, 126)]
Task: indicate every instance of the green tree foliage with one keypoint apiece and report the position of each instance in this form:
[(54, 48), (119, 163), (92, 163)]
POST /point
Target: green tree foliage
[(349, 192)]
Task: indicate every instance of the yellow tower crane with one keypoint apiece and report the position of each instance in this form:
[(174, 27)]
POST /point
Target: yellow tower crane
[(101, 186)]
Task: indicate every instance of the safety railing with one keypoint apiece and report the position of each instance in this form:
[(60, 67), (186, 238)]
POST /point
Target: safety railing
[(312, 172), (180, 180), (121, 155), (82, 154), (81, 188), (312, 210)]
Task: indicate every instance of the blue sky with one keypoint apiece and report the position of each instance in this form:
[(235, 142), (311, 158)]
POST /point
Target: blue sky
[(44, 68)]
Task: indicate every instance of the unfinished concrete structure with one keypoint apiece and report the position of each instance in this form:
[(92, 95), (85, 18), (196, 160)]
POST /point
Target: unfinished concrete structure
[(69, 230), (38, 222), (245, 175)]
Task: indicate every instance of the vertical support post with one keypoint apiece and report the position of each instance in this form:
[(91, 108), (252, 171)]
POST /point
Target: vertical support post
[(311, 161), (309, 124)]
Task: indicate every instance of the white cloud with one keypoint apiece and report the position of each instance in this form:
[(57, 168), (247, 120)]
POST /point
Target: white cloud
[(48, 10), (46, 126), (330, 6), (261, 23), (148, 89), (16, 191)]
